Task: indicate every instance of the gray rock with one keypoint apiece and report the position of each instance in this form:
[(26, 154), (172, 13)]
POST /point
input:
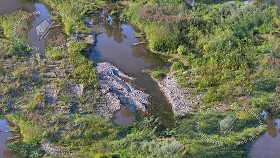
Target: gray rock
[(117, 92), (181, 99), (58, 150)]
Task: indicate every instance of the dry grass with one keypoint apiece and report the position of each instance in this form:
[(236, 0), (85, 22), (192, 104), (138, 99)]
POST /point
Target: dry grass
[(274, 62), (165, 15), (22, 31)]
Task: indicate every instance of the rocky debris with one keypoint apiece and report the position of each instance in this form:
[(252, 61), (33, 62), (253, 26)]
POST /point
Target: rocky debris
[(50, 94), (181, 99), (57, 150), (90, 39), (126, 3), (117, 92), (97, 28), (54, 73), (77, 89), (36, 77)]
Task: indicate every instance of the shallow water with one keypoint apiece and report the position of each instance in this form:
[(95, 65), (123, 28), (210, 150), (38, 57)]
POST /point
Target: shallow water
[(8, 6), (34, 39), (116, 46), (4, 134), (35, 42), (124, 117), (267, 146)]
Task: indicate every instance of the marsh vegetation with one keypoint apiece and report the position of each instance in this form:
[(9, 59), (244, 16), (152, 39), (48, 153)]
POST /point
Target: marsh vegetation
[(228, 51)]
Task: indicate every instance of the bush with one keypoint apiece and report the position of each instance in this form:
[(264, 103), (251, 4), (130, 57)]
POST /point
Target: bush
[(39, 97), (266, 84), (158, 74), (84, 72), (32, 106), (162, 38), (170, 149), (177, 65), (182, 49), (31, 133), (26, 150), (55, 54)]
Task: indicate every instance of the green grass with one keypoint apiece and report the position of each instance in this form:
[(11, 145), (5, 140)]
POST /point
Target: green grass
[(55, 54), (158, 74), (30, 132), (223, 58), (217, 53), (72, 12)]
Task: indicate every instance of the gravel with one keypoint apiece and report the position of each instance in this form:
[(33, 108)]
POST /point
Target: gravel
[(57, 150), (182, 100), (117, 92)]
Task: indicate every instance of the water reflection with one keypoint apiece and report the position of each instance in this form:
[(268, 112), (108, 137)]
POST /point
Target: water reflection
[(34, 39), (112, 26), (124, 117), (115, 46), (8, 6), (267, 146), (271, 126), (4, 134)]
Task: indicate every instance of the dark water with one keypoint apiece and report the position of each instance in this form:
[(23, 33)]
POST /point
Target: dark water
[(116, 46), (4, 134), (42, 13), (8, 6), (34, 39), (124, 117), (268, 145)]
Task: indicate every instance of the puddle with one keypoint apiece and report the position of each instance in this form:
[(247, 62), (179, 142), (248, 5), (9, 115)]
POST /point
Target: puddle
[(4, 135), (267, 146), (124, 117), (8, 6)]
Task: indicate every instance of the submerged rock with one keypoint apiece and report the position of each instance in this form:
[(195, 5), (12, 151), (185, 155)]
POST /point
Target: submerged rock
[(117, 92), (90, 39)]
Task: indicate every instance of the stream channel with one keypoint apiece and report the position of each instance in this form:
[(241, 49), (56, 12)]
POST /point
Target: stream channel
[(115, 45)]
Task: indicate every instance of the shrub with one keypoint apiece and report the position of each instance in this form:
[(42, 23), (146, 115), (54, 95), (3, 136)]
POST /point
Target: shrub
[(158, 74), (182, 49), (39, 97), (26, 150), (32, 106), (177, 65), (31, 132), (170, 149), (266, 84), (84, 71), (55, 54), (163, 38), (68, 27)]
